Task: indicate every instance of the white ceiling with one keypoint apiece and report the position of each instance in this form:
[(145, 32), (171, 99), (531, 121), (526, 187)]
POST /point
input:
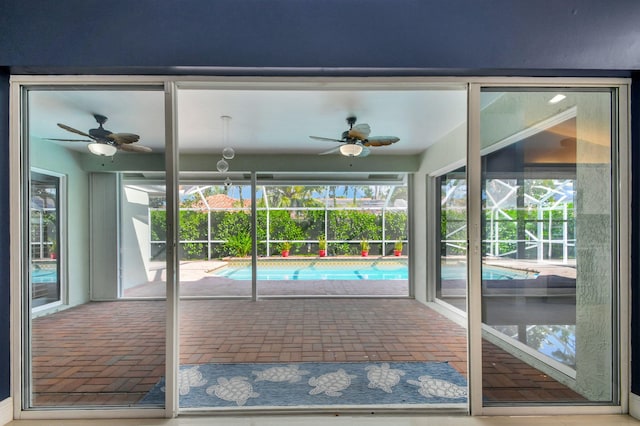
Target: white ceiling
[(263, 121)]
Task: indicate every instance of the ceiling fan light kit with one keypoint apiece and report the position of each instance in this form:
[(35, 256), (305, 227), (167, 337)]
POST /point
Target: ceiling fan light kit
[(350, 150), (102, 149)]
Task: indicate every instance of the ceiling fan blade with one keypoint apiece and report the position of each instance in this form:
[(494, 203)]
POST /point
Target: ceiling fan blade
[(135, 148), (360, 131), (318, 138), (331, 151), (76, 131), (381, 140), (123, 138), (365, 152), (69, 140)]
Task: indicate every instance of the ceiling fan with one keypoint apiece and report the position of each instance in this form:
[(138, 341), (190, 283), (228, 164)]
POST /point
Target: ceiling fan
[(104, 142), (356, 141)]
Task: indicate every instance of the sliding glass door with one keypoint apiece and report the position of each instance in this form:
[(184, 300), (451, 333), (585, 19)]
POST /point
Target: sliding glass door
[(549, 285), (140, 277), (88, 244)]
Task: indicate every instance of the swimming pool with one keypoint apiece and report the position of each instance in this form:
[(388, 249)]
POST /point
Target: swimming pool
[(311, 272), (459, 272), (361, 271)]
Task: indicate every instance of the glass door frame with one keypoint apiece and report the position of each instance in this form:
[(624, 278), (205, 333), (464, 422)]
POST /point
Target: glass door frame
[(19, 172), (621, 167), (18, 135)]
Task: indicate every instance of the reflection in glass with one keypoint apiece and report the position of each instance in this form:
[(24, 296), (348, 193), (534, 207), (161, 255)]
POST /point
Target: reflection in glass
[(451, 284), (547, 225), (45, 235)]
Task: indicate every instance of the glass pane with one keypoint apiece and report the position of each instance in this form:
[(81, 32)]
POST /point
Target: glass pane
[(215, 239), (326, 240), (143, 237), (237, 353), (46, 277), (91, 348), (547, 282), (451, 281)]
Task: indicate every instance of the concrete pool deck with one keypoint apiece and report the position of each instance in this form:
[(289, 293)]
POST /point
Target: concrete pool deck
[(197, 279)]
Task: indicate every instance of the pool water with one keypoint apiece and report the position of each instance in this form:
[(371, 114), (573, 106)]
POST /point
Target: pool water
[(459, 272), (359, 272), (39, 276)]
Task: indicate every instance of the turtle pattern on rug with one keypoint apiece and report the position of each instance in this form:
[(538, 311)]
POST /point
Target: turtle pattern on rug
[(316, 384)]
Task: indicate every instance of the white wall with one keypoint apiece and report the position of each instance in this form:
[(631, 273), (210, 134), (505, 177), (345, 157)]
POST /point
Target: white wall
[(446, 154), (134, 248), (104, 235), (6, 411)]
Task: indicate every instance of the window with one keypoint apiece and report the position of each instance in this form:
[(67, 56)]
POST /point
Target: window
[(46, 211)]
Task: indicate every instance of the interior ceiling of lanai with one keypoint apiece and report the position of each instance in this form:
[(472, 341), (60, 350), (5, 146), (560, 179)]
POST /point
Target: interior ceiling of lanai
[(262, 121)]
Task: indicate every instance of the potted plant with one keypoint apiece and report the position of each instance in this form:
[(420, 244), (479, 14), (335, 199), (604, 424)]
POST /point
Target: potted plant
[(285, 247), (322, 246), (397, 248), (53, 250), (364, 248)]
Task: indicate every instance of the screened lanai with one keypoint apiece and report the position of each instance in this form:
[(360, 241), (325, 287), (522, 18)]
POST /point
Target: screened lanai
[(309, 239)]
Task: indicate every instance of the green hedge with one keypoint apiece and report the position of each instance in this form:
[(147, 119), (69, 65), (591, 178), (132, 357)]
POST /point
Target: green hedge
[(234, 229)]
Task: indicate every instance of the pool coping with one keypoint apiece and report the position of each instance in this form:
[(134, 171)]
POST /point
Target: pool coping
[(315, 261)]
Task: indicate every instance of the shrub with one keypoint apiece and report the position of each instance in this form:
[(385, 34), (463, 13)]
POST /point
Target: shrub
[(193, 226), (355, 225), (239, 245), (158, 225), (396, 225)]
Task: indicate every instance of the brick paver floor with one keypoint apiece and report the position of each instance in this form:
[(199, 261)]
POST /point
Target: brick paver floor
[(108, 353), (112, 353)]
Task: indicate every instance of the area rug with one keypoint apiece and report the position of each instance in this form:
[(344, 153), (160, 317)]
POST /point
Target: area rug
[(315, 384)]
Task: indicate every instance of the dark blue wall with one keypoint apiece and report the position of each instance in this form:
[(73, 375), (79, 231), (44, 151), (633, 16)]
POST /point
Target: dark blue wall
[(4, 234), (313, 37), (419, 35)]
